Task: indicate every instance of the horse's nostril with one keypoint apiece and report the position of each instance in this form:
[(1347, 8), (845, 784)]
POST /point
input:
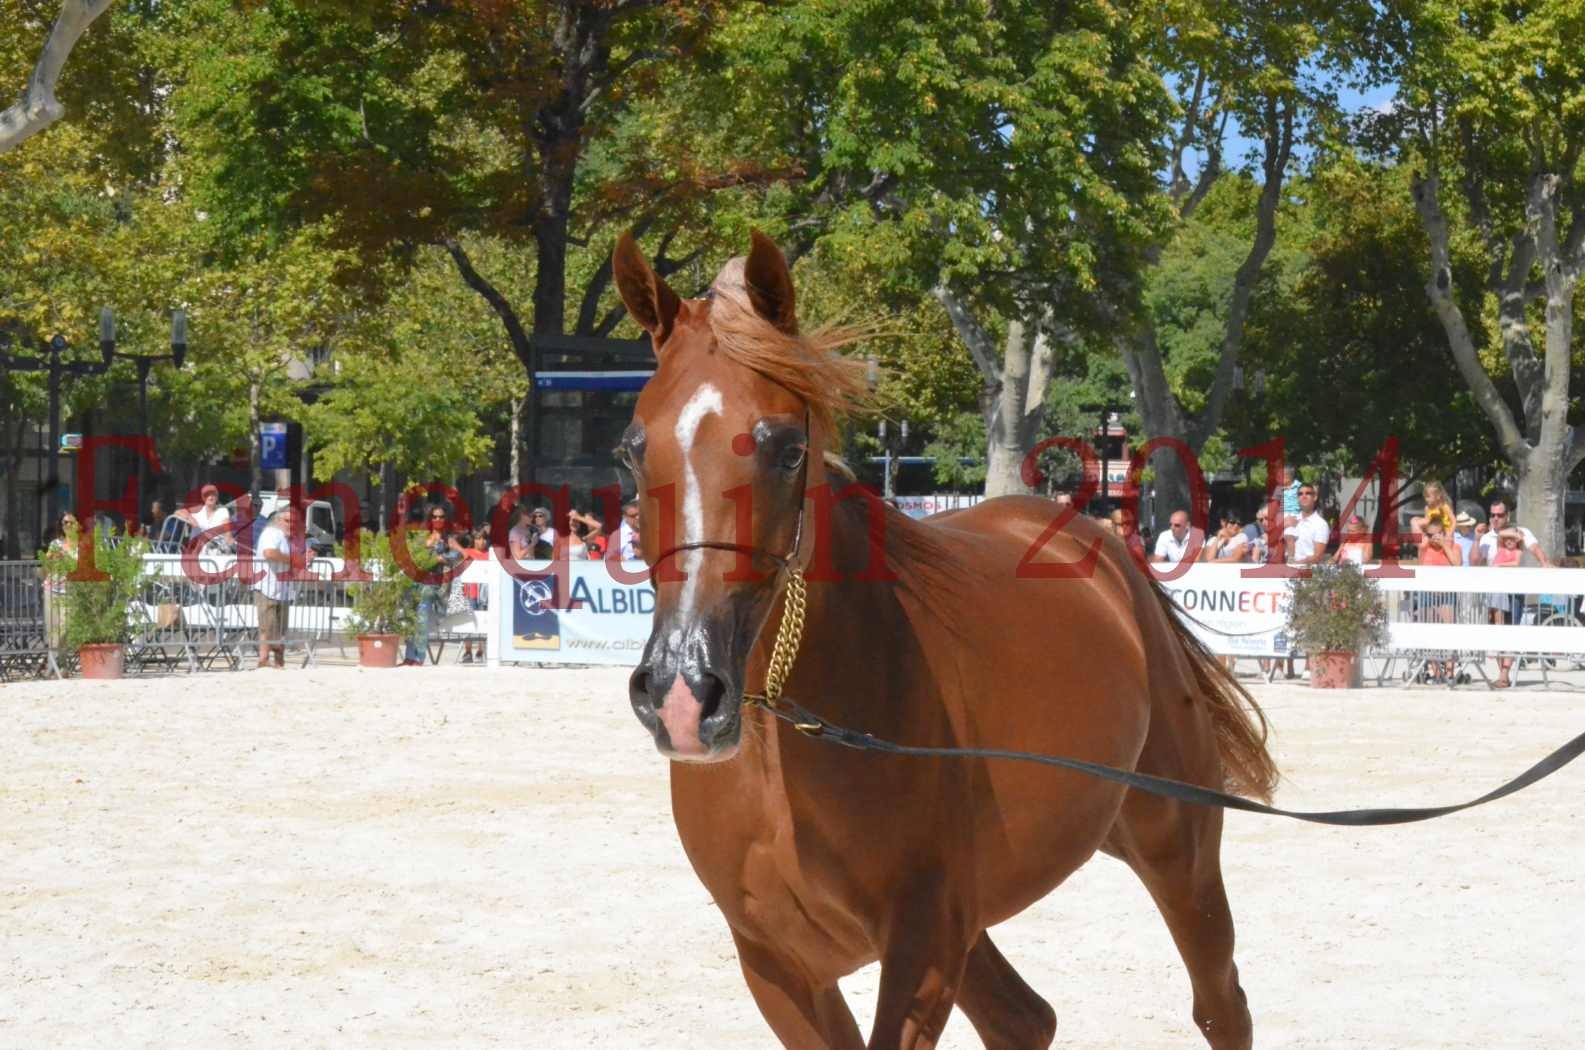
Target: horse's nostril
[(638, 686), (711, 690)]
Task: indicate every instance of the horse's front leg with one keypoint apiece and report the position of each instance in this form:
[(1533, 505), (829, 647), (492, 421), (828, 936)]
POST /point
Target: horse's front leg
[(922, 963), (804, 1015)]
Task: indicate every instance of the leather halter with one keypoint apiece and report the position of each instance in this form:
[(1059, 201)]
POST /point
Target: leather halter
[(792, 593), (785, 561)]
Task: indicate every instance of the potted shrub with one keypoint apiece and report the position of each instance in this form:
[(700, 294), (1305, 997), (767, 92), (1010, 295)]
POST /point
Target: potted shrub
[(384, 609), (95, 624), (1334, 614)]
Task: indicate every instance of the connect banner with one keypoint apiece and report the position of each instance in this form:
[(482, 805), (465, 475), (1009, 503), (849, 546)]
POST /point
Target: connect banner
[(1231, 615), (609, 623)]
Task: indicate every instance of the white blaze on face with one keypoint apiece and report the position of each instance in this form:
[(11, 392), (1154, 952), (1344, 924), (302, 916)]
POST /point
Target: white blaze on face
[(705, 401)]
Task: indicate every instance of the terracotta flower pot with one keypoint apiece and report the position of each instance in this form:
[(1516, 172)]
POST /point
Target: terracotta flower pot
[(1332, 670), (102, 661), (379, 650)]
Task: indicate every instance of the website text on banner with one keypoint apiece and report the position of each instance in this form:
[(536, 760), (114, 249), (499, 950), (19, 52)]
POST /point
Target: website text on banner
[(1238, 616), (609, 625)]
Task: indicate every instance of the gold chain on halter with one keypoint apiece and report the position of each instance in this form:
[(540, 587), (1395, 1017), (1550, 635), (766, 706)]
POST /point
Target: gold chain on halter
[(788, 637)]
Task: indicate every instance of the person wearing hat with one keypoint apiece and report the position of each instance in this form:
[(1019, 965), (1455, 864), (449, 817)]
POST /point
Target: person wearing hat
[(1464, 534), (1505, 544), (209, 515)]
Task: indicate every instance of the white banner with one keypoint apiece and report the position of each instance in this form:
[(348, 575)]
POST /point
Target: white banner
[(1233, 611), (608, 625), (1231, 615), (1237, 613)]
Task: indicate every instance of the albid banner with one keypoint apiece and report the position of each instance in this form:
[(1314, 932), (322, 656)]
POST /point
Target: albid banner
[(608, 624)]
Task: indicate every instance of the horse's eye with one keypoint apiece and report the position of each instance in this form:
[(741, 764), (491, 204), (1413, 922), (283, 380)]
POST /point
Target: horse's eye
[(792, 457)]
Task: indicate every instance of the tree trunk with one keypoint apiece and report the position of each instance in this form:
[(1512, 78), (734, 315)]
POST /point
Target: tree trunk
[(1161, 416), (255, 465), (38, 108), (1540, 499), (387, 497), (517, 439), (1541, 446), (1158, 406), (1014, 415)]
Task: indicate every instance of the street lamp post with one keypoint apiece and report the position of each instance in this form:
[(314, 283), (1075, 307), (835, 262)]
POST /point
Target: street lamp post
[(56, 369), (145, 362), (1107, 410)]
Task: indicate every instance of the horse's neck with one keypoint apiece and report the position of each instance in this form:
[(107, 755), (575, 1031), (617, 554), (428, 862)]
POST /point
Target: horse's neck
[(856, 618)]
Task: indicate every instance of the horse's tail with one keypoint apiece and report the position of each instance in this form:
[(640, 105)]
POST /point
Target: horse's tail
[(1240, 724)]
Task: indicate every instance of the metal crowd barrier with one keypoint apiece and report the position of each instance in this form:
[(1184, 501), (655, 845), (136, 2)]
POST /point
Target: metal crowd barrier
[(29, 620), (177, 622), (1449, 666), (206, 623)]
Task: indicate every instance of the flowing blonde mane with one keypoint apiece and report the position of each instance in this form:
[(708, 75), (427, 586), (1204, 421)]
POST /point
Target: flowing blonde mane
[(808, 365)]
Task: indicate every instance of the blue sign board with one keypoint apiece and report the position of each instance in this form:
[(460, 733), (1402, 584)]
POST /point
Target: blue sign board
[(614, 381), (272, 446)]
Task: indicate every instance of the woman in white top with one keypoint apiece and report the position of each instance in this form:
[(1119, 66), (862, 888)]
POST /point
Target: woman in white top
[(547, 532), (1355, 546), (209, 515)]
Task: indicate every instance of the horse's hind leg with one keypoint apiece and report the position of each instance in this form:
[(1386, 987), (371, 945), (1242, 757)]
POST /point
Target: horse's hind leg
[(1175, 850), (803, 1015), (1006, 1012)]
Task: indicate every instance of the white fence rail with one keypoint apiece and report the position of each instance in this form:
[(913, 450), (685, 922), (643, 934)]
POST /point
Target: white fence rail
[(183, 622)]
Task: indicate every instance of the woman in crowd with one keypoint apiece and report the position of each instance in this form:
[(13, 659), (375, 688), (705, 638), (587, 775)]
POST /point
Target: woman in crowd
[(442, 543), (1229, 544), (1509, 554), (545, 541), (1438, 549), (60, 558), (520, 536), (478, 549), (209, 515), (588, 533), (1355, 545)]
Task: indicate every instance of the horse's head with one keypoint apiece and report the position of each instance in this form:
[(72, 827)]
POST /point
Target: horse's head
[(725, 440)]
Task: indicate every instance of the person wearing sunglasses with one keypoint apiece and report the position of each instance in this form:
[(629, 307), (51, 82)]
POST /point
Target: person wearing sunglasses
[(1502, 543), (1306, 541), (441, 541), (1180, 541), (627, 539)]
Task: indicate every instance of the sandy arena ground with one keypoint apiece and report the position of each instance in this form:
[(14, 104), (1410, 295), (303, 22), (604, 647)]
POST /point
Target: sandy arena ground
[(460, 857)]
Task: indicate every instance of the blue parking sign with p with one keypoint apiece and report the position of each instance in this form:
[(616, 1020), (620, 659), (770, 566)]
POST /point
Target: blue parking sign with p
[(272, 446)]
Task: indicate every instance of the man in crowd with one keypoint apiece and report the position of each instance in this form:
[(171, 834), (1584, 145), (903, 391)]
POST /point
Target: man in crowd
[(1306, 540), (627, 540), (1499, 519), (1504, 608), (1180, 541), (272, 594)]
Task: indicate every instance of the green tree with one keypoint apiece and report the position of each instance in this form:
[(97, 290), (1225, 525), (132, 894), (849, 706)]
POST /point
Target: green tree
[(1352, 351), (407, 125), (1268, 70), (1491, 112), (38, 107), (999, 158)]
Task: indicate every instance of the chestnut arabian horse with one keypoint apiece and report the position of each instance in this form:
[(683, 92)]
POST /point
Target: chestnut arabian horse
[(821, 859)]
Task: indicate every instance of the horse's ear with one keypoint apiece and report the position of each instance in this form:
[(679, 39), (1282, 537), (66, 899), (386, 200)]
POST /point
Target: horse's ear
[(644, 292), (770, 287)]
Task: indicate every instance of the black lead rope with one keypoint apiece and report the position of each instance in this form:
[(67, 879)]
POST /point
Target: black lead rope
[(811, 724)]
